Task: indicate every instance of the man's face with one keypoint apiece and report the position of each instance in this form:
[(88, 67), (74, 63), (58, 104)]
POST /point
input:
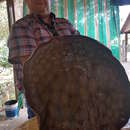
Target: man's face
[(38, 6)]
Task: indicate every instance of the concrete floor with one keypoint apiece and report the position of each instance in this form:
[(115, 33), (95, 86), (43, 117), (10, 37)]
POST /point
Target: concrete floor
[(127, 68), (12, 124), (126, 65)]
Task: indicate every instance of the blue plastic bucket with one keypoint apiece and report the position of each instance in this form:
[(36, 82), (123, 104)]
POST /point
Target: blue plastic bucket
[(11, 109)]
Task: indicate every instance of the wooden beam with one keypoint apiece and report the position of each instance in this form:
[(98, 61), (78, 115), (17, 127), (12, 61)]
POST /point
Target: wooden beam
[(11, 21), (11, 13), (2, 0), (126, 45)]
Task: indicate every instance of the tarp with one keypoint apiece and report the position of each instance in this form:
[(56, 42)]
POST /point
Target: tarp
[(120, 2), (98, 19)]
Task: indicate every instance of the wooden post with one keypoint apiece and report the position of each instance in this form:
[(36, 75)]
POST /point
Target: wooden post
[(126, 45), (11, 13), (11, 20)]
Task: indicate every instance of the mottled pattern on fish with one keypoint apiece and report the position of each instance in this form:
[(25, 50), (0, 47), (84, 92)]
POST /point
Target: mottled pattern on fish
[(74, 83)]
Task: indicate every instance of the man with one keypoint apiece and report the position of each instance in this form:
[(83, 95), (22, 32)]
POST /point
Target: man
[(27, 33)]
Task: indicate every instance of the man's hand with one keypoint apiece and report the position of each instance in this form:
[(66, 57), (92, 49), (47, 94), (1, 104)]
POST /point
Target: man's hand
[(23, 59)]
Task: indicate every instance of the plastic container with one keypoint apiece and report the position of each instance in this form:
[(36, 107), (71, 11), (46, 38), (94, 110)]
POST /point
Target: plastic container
[(11, 109)]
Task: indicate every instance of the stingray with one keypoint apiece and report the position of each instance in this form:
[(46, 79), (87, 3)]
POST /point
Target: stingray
[(75, 83)]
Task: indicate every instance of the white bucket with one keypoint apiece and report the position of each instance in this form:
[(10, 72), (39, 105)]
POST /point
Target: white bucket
[(11, 109)]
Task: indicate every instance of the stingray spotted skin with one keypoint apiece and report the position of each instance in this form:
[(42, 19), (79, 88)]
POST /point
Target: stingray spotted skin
[(74, 83)]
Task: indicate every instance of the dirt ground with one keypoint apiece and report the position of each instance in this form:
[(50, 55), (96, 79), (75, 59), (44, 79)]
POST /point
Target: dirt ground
[(11, 124)]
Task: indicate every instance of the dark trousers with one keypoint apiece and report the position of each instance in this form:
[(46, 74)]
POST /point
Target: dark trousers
[(30, 112)]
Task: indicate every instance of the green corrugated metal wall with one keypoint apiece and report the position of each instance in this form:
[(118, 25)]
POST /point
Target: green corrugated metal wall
[(94, 18)]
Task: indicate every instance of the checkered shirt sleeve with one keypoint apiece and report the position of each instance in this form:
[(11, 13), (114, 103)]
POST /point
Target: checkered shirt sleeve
[(21, 42)]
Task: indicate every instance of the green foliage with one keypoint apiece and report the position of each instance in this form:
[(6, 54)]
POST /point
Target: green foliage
[(6, 71), (3, 21), (3, 36), (4, 54)]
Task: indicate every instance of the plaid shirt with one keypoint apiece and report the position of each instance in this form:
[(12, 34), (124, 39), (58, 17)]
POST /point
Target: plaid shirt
[(27, 33)]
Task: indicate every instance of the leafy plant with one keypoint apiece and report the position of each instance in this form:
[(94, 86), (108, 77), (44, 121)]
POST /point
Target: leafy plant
[(6, 71), (3, 36)]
